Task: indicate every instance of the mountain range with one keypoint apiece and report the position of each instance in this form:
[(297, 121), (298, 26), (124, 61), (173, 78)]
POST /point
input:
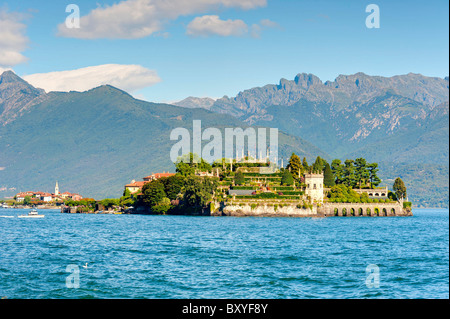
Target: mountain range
[(96, 141), (354, 114)]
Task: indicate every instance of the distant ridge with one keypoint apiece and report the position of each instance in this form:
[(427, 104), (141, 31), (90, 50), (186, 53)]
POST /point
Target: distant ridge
[(350, 113), (196, 102)]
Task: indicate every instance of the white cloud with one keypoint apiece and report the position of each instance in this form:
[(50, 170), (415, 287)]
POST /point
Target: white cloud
[(12, 38), (126, 77), (131, 19), (212, 25), (269, 24)]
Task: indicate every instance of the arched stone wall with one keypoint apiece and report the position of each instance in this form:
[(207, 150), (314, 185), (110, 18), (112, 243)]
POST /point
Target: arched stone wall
[(367, 209)]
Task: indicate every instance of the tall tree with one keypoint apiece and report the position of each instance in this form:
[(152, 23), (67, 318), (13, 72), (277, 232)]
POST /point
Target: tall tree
[(294, 165), (361, 172), (349, 173), (305, 164), (338, 171), (373, 178), (318, 165), (328, 178), (399, 188)]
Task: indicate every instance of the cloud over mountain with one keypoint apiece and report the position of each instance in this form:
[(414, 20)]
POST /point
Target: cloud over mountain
[(140, 18), (126, 77)]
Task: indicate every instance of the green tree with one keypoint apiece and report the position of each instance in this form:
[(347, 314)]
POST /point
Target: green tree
[(328, 178), (239, 178), (126, 193), (107, 202), (127, 199), (173, 185), (373, 178), (305, 164), (153, 193), (349, 173), (399, 188), (162, 207), (184, 169), (189, 163), (295, 165), (361, 172), (199, 190), (287, 179), (338, 171), (392, 196), (318, 165), (343, 194), (27, 200), (204, 166)]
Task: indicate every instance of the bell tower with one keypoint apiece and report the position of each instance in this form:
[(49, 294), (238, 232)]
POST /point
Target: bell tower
[(56, 189)]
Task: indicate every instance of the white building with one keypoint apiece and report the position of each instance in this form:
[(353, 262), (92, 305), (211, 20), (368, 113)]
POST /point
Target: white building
[(314, 187)]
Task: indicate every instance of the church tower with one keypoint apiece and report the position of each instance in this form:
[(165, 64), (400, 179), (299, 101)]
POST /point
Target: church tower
[(56, 189)]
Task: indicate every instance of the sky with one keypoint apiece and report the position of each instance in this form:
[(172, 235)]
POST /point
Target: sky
[(167, 50)]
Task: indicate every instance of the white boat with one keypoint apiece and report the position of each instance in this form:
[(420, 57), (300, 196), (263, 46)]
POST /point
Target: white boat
[(32, 214), (4, 206)]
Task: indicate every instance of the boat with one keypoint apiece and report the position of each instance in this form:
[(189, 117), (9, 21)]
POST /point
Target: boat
[(4, 206), (32, 214)]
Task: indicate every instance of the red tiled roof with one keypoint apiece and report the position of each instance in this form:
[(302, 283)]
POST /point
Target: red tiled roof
[(136, 184), (159, 175), (25, 194)]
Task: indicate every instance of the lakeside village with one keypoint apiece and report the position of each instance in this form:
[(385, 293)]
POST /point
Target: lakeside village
[(247, 186), (41, 200)]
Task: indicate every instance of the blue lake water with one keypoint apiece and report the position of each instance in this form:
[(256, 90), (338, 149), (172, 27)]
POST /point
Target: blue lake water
[(135, 256)]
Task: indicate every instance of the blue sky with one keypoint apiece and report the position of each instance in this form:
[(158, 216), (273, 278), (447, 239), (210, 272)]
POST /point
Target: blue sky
[(181, 57)]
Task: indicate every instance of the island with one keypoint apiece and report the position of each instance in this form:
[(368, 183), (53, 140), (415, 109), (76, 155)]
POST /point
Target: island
[(250, 186)]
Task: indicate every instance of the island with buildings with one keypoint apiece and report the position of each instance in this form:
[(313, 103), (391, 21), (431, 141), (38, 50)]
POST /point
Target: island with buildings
[(43, 200), (247, 186)]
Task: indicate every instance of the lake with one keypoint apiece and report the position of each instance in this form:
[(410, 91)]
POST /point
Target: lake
[(137, 256)]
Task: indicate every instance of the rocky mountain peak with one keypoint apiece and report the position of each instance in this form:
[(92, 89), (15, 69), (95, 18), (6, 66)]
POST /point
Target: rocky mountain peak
[(306, 80), (16, 95)]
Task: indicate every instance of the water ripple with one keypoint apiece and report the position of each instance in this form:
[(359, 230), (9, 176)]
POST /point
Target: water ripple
[(132, 256)]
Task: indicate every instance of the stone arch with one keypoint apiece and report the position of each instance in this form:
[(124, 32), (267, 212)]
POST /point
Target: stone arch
[(377, 211), (352, 212), (383, 194), (360, 211), (384, 212), (370, 194), (336, 212), (368, 211), (377, 195), (393, 211), (344, 211)]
